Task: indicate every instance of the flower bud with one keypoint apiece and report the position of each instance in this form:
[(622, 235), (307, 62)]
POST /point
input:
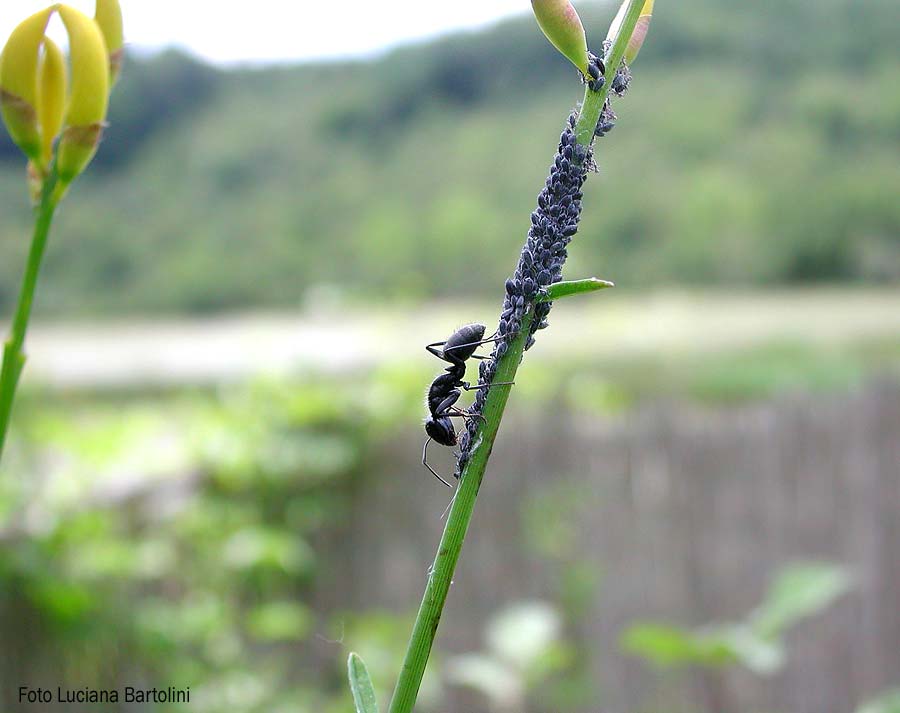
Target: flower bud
[(19, 83), (108, 17), (51, 102), (640, 30), (89, 95), (562, 26)]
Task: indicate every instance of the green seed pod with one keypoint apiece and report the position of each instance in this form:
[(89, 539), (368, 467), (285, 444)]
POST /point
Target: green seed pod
[(562, 26)]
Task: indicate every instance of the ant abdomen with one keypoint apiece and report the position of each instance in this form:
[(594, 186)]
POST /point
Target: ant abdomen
[(463, 342), (441, 431)]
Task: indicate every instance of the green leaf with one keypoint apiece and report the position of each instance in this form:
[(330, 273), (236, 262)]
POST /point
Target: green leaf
[(800, 590), (668, 646), (573, 287), (887, 702), (361, 685), (665, 646)]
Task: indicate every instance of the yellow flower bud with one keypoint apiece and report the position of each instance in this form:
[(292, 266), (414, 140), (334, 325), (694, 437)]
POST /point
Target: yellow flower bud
[(51, 96), (19, 82), (108, 16), (562, 26), (89, 96)]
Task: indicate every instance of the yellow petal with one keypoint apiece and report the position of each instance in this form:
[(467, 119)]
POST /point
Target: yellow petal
[(108, 17), (19, 82), (51, 96), (88, 97), (90, 72)]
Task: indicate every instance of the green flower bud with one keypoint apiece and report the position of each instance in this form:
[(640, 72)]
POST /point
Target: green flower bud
[(19, 83), (562, 26), (640, 30)]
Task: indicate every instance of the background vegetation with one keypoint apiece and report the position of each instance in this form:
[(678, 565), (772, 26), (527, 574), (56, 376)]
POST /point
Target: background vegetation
[(764, 143), (708, 521)]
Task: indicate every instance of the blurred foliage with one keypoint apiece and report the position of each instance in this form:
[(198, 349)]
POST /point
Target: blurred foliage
[(888, 702), (763, 138), (523, 647), (550, 518), (799, 591), (173, 538), (197, 561)]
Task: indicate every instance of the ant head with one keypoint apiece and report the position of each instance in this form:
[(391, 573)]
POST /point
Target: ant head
[(441, 430)]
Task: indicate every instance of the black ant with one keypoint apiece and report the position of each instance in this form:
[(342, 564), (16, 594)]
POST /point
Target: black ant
[(444, 391)]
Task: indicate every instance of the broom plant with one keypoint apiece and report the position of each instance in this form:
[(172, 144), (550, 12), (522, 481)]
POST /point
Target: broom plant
[(56, 115)]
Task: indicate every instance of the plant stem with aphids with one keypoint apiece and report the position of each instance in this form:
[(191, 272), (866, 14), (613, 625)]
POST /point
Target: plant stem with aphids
[(537, 281)]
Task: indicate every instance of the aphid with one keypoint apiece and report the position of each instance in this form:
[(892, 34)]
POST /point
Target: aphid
[(621, 81), (445, 391), (596, 68)]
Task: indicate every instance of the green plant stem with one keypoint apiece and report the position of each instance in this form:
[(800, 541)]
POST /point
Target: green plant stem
[(13, 354), (463, 505)]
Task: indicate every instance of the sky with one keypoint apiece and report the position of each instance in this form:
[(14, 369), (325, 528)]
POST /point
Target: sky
[(278, 31)]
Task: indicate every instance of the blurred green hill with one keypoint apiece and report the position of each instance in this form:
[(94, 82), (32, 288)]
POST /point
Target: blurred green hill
[(758, 145)]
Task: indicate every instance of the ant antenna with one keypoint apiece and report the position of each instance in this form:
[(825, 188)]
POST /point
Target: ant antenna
[(450, 504), (425, 463)]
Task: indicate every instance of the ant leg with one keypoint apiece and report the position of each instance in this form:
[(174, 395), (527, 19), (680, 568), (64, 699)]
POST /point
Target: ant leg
[(446, 404), (452, 411), (490, 339), (425, 463), (440, 354), (469, 387), (432, 348), (466, 414)]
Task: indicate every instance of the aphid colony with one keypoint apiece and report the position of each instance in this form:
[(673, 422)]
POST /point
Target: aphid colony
[(553, 224)]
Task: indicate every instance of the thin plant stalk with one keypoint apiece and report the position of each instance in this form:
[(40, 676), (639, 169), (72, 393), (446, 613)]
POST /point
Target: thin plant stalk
[(461, 509), (13, 353)]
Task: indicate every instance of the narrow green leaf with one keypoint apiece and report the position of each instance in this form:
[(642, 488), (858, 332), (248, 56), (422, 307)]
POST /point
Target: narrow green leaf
[(668, 646), (574, 287), (799, 591), (713, 647), (361, 685)]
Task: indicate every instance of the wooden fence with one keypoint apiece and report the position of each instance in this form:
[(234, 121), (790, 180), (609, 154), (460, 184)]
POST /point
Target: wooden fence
[(685, 513)]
